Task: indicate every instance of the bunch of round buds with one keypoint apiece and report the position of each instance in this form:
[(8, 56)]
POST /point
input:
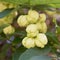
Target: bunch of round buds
[(9, 30), (35, 28)]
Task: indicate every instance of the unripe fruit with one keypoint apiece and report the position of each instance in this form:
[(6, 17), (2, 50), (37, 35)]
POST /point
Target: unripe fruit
[(28, 42), (32, 16), (9, 30), (22, 21), (41, 40), (32, 30), (42, 17)]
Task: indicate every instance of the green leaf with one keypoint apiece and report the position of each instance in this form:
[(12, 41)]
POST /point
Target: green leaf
[(5, 12), (15, 1), (52, 38), (18, 52), (42, 57), (58, 29), (55, 5), (3, 52), (32, 2), (34, 52)]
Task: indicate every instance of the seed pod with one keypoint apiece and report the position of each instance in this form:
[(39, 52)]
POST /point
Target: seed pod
[(28, 42), (32, 16), (9, 30), (22, 21), (42, 17), (41, 40)]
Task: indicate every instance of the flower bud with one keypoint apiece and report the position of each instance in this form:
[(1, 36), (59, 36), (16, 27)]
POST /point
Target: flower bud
[(39, 44), (9, 30), (42, 17), (22, 21), (41, 40), (39, 26), (32, 30), (32, 16), (28, 42), (44, 27), (32, 34)]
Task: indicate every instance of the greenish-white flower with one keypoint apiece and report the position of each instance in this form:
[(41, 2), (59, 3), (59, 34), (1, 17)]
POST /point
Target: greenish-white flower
[(32, 30), (44, 27), (28, 42), (41, 40), (9, 30), (32, 34), (33, 16), (42, 17), (22, 21), (39, 26)]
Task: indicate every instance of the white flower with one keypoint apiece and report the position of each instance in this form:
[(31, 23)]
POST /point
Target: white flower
[(41, 40), (9, 30), (22, 21), (42, 17), (32, 16), (28, 42), (42, 27)]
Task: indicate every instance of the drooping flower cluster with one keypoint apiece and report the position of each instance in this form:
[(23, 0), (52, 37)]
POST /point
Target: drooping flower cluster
[(35, 28)]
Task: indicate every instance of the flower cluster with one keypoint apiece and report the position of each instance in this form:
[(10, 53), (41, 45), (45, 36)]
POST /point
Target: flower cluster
[(35, 28), (9, 30)]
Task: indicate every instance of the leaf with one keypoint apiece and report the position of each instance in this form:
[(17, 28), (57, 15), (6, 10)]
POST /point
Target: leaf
[(15, 1), (52, 38), (3, 26), (5, 12), (3, 52), (18, 52), (32, 2), (34, 52), (38, 2), (42, 57), (55, 5), (58, 29)]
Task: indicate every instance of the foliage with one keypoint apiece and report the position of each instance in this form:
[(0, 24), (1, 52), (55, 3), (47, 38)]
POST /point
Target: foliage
[(11, 44)]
